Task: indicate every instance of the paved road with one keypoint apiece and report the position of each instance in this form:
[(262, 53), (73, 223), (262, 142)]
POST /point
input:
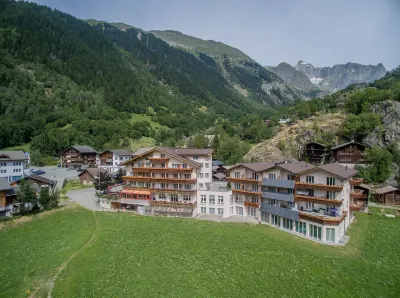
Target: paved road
[(85, 197), (58, 174)]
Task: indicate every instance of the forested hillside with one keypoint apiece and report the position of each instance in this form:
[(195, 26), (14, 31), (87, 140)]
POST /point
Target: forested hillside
[(66, 81)]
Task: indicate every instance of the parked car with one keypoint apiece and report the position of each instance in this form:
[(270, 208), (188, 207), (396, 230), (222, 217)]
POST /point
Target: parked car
[(39, 172), (59, 165)]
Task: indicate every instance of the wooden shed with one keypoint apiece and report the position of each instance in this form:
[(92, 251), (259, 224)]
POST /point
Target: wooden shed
[(389, 195)]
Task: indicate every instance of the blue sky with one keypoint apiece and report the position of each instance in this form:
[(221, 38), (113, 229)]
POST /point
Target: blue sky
[(321, 32)]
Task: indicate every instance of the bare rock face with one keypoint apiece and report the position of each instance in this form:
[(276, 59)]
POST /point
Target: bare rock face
[(338, 77), (390, 113)]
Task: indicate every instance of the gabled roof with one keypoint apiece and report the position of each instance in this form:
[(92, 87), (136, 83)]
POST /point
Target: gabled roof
[(168, 151), (295, 167), (336, 169), (84, 149), (346, 144), (4, 185), (385, 189), (94, 172), (120, 152), (12, 155), (316, 144), (13, 191), (255, 166), (140, 151), (190, 151), (41, 179)]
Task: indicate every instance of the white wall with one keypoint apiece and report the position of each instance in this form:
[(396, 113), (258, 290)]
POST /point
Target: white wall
[(225, 206), (11, 170)]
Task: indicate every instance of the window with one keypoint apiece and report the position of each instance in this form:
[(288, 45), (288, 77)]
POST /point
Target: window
[(271, 176), (174, 198), (200, 185), (176, 186), (254, 176), (17, 163), (195, 157), (203, 199), (301, 227), (201, 175), (251, 211), (207, 175), (3, 171), (237, 185), (237, 175), (162, 155), (265, 216), (315, 232), (290, 191), (239, 210), (187, 176), (309, 206), (203, 210), (212, 200), (330, 235), (290, 205), (310, 192), (162, 196), (287, 224), (273, 202), (176, 176), (310, 179), (330, 195), (187, 198), (184, 166), (231, 199), (211, 210), (254, 199), (330, 180), (221, 211), (3, 164), (254, 188), (272, 189), (174, 165), (220, 200), (276, 220), (121, 158), (238, 200), (207, 165), (116, 158), (202, 165)]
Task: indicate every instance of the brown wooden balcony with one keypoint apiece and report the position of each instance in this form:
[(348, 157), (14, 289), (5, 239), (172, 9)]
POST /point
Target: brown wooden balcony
[(159, 159), (247, 192), (162, 190), (358, 194), (174, 204), (161, 170), (304, 185), (321, 200), (322, 219), (251, 204), (356, 181), (159, 179), (243, 180), (356, 206)]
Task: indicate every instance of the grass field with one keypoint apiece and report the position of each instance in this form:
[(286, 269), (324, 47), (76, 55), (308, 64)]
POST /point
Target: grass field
[(141, 117), (24, 147), (132, 256)]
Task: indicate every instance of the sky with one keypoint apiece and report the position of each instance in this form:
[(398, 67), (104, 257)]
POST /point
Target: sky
[(320, 32)]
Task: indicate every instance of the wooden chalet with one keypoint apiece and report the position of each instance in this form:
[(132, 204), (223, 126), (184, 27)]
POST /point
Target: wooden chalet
[(315, 153), (90, 175), (76, 156), (349, 153), (36, 179), (387, 195)]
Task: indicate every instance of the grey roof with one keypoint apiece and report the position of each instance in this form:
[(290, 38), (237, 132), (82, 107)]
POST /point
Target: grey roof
[(141, 151), (41, 179), (363, 185), (346, 144), (255, 166), (121, 152), (12, 155), (338, 170), (385, 189), (219, 176), (13, 191), (4, 185), (296, 167), (217, 162), (190, 151), (315, 143), (94, 172), (84, 149)]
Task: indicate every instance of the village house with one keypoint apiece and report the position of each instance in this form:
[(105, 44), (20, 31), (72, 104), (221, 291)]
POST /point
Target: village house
[(349, 153), (36, 179), (5, 202), (76, 156), (388, 195), (111, 160), (315, 153), (12, 165), (90, 175)]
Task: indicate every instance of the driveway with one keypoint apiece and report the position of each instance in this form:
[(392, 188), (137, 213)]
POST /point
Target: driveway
[(85, 197), (58, 174)]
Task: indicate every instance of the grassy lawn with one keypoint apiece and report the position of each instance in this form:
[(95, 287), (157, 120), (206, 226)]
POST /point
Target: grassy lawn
[(141, 117), (24, 147), (133, 256)]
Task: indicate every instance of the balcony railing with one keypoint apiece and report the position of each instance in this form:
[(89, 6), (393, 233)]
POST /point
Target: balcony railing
[(181, 204), (358, 194), (322, 200), (277, 210), (159, 179), (246, 192), (356, 181), (278, 196), (160, 169), (161, 190), (159, 159), (322, 218), (279, 183), (243, 180), (251, 204), (305, 185)]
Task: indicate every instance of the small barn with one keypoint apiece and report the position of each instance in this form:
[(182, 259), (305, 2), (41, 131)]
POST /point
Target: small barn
[(89, 175), (389, 195)]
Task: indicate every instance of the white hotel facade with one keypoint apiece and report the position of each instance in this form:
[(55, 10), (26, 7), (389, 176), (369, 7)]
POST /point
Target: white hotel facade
[(316, 202)]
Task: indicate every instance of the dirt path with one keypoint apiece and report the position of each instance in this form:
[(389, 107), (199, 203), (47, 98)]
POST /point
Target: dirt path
[(65, 264)]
